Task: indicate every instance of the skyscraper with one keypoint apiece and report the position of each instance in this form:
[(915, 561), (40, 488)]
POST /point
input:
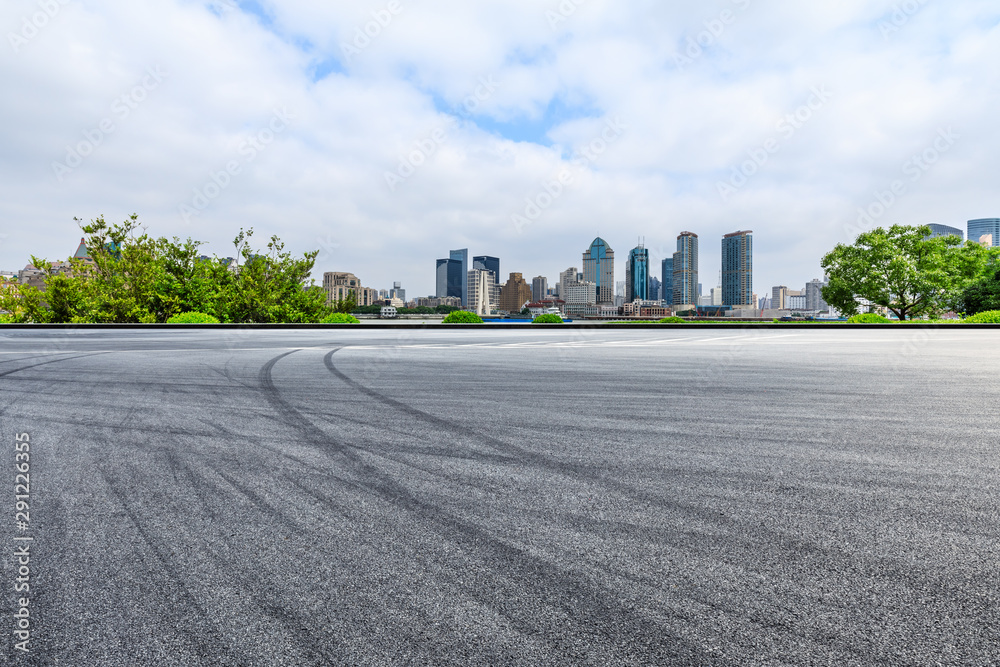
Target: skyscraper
[(463, 257), (599, 268), (945, 230), (567, 278), (637, 275), (539, 288), (667, 280), (686, 269), (449, 278), (779, 295), (654, 289), (488, 263), (814, 295), (985, 230), (737, 269)]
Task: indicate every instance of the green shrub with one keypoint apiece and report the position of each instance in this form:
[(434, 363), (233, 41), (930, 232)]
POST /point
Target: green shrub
[(673, 320), (462, 317), (986, 317), (547, 319), (868, 318), (6, 319), (340, 318), (192, 318)]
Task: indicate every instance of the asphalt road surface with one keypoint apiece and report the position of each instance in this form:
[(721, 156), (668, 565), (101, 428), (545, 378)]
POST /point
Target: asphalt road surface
[(647, 497)]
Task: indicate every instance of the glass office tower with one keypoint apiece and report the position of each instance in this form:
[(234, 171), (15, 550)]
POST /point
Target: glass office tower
[(637, 275), (985, 230), (599, 268)]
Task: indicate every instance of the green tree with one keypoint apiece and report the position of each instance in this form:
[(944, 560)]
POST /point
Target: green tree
[(981, 296), (347, 305), (270, 287), (902, 270)]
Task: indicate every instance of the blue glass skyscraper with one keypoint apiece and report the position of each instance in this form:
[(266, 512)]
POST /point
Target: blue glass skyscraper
[(463, 257), (599, 268), (667, 280), (637, 275), (985, 227), (450, 278)]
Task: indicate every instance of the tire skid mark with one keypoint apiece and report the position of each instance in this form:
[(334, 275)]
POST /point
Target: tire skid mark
[(258, 501), (51, 361), (209, 643), (524, 456), (615, 621)]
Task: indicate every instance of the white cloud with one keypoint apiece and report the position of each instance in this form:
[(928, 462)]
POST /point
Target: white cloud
[(321, 181)]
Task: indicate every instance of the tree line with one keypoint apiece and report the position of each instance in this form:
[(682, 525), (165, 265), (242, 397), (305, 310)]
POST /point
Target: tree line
[(133, 278)]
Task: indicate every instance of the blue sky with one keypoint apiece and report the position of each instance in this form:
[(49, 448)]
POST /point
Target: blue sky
[(346, 131)]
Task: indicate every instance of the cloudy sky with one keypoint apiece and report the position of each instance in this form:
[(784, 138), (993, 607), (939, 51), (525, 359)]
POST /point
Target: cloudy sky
[(385, 134)]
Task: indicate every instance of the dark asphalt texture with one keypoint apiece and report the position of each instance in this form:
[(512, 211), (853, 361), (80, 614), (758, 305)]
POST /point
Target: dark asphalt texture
[(647, 497)]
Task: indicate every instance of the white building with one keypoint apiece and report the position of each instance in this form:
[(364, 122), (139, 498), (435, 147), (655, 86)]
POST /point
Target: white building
[(580, 293), (482, 291)]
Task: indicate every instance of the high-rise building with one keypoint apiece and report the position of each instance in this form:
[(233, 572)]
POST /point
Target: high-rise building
[(539, 288), (985, 231), (566, 278), (515, 294), (580, 293), (599, 268), (449, 278), (814, 296), (398, 292), (686, 270), (737, 269), (480, 284), (463, 257), (637, 274), (667, 273), (945, 230), (778, 296), (488, 263), (654, 289)]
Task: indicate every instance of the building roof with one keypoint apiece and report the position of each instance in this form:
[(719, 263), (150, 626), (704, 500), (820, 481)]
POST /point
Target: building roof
[(81, 251)]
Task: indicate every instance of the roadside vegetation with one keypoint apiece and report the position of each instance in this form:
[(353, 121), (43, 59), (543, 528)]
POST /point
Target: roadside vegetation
[(462, 317), (913, 276), (547, 319), (340, 318), (135, 278), (193, 318)]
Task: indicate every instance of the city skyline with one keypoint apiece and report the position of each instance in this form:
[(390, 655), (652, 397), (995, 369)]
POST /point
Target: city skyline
[(536, 129)]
